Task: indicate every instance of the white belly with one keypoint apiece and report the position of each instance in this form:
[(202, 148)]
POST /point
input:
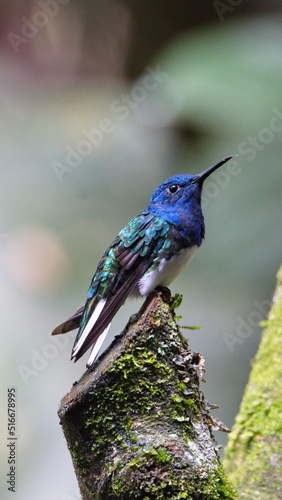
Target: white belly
[(166, 272)]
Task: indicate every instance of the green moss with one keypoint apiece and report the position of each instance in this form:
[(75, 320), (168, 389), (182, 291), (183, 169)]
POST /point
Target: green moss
[(163, 484), (135, 424), (176, 301), (158, 454), (138, 383), (184, 408), (255, 442), (162, 456)]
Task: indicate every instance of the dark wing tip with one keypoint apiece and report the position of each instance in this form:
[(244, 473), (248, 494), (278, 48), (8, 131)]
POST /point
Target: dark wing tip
[(59, 329), (70, 324)]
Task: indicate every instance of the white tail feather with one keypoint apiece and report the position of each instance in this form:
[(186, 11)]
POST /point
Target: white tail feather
[(89, 325), (97, 346)]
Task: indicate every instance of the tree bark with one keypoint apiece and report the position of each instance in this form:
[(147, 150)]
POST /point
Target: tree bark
[(137, 426), (254, 453)]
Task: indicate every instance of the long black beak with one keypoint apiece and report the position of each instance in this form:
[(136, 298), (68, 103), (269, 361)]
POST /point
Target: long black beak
[(201, 177)]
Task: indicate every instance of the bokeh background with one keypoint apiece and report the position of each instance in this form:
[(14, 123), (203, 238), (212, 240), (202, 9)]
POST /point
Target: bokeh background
[(159, 88)]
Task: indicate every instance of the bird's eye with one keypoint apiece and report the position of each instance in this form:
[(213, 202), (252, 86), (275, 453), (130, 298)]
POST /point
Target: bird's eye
[(173, 188)]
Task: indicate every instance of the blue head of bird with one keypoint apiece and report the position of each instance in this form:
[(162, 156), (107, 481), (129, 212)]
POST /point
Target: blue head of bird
[(178, 201)]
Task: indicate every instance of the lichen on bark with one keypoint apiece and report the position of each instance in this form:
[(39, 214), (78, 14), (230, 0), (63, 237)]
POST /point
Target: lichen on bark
[(138, 426), (253, 456)]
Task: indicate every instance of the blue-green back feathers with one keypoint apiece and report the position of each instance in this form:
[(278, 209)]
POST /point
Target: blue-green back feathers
[(142, 235), (126, 260)]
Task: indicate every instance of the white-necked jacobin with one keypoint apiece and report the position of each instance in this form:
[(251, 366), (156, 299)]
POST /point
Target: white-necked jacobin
[(149, 251)]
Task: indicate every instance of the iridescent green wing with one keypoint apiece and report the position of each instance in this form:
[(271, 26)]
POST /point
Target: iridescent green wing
[(137, 244), (119, 271)]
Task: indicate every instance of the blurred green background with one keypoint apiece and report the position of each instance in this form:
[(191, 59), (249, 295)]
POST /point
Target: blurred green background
[(160, 88)]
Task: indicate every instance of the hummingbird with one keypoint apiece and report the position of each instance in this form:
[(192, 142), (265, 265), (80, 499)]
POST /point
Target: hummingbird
[(150, 251)]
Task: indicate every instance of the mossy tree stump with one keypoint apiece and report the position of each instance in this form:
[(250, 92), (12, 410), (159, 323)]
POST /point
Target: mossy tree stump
[(137, 426)]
